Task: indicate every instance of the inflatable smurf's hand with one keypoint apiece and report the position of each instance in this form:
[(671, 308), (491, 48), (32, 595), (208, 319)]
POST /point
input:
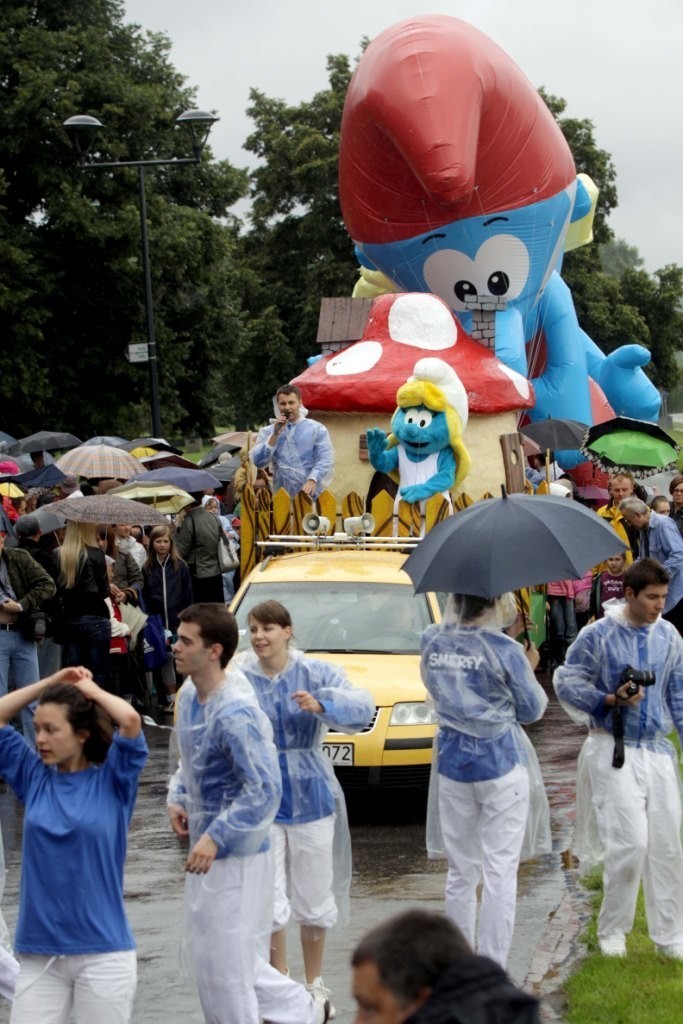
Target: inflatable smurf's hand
[(627, 388)]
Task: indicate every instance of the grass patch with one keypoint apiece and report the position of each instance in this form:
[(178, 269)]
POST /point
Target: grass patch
[(644, 987)]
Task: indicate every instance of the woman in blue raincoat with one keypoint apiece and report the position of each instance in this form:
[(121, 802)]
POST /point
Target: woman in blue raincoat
[(487, 805), (304, 697)]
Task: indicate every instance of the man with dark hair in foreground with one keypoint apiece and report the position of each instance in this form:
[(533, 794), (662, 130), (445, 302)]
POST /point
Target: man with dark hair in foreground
[(418, 967)]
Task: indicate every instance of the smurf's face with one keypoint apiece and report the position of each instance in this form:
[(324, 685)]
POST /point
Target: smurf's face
[(482, 263), (421, 431)]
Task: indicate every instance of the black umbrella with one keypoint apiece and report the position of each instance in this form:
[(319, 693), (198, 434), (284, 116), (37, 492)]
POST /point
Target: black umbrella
[(159, 443), (502, 544), (556, 435), (213, 456), (48, 520), (225, 471), (111, 439), (44, 441), (190, 480)]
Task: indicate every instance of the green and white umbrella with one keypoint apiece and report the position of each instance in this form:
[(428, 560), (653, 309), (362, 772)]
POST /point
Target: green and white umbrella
[(636, 446)]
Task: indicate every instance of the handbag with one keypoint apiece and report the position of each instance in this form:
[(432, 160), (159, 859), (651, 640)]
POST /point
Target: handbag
[(228, 555), (34, 625), (154, 649)]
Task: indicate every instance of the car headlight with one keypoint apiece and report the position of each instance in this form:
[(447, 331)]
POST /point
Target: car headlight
[(418, 713)]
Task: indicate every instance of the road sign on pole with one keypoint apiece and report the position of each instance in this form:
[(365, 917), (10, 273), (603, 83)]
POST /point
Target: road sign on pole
[(138, 353)]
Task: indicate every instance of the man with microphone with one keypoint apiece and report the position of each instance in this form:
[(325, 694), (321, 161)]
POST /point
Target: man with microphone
[(298, 449)]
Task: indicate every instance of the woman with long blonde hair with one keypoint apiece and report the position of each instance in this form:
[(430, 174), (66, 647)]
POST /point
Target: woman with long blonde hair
[(84, 587)]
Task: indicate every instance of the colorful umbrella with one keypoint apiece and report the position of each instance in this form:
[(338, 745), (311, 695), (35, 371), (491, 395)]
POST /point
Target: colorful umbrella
[(636, 446), (11, 490), (101, 461), (163, 497), (241, 438)]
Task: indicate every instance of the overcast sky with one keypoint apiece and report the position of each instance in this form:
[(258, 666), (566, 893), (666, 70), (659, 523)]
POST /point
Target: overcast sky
[(617, 62)]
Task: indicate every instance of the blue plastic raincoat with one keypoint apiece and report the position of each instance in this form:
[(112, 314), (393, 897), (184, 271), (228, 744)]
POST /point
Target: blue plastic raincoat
[(483, 687), (303, 452), (308, 780), (228, 779)]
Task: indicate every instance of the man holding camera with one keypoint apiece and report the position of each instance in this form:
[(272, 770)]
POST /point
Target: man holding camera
[(623, 676), (299, 449)]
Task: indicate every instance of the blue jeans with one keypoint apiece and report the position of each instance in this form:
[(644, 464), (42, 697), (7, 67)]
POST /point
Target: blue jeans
[(86, 642), (563, 627), (19, 664)]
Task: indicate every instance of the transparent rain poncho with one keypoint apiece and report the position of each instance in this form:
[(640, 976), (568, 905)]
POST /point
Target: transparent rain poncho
[(483, 690), (228, 779), (228, 782), (593, 668), (303, 451), (310, 789)]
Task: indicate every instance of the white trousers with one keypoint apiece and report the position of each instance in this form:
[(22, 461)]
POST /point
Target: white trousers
[(483, 827), (303, 857), (638, 810), (98, 988), (229, 911)]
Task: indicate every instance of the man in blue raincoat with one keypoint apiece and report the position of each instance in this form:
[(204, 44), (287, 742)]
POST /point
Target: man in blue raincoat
[(224, 796), (299, 449), (628, 795)]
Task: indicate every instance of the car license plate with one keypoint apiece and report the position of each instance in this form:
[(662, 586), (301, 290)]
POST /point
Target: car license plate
[(339, 753)]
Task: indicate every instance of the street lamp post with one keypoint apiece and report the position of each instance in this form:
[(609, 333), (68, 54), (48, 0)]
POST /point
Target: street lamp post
[(82, 129)]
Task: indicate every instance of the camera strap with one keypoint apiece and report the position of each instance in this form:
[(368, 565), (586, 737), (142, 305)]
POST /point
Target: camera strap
[(619, 755)]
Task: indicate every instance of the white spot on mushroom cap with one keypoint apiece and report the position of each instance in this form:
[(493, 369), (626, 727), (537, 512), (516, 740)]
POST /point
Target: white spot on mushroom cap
[(521, 383), (359, 358), (422, 321)]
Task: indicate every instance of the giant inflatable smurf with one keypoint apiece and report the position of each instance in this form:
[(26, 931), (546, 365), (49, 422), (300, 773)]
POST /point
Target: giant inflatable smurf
[(425, 446), (455, 179)]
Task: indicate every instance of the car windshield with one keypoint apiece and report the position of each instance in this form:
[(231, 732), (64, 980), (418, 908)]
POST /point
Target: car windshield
[(379, 618)]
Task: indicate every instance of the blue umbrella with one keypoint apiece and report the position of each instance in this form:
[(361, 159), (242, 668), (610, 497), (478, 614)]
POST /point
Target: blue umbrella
[(190, 480), (502, 544), (48, 476)]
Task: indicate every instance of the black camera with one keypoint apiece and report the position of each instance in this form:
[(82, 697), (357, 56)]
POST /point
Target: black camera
[(636, 677)]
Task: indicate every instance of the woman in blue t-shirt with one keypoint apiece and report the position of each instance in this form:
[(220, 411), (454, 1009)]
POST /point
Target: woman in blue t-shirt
[(76, 949)]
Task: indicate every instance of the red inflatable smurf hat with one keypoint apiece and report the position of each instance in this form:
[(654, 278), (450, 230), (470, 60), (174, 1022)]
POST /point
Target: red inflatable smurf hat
[(440, 124)]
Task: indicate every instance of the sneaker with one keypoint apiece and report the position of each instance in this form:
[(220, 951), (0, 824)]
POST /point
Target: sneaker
[(169, 707), (613, 945), (321, 993), (322, 1008), (673, 952)]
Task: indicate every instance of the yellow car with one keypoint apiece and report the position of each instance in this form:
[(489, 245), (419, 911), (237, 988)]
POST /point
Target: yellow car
[(355, 608)]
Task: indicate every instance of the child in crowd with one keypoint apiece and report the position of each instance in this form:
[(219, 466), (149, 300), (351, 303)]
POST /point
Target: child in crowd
[(118, 671), (167, 589), (660, 504), (608, 584)]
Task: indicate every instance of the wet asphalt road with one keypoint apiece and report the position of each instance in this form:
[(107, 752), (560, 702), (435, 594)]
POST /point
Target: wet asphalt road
[(391, 873)]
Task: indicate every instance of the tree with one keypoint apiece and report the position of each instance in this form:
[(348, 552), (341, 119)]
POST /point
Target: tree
[(297, 249), (616, 256), (71, 291)]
